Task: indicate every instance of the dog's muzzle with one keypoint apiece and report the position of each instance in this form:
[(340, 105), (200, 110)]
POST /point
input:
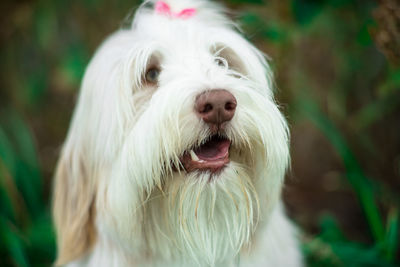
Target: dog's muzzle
[(216, 108)]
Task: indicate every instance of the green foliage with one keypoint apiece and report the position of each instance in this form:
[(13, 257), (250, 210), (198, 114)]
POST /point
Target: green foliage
[(343, 28), (332, 248), (329, 72), (305, 10), (25, 227), (355, 175), (12, 241)]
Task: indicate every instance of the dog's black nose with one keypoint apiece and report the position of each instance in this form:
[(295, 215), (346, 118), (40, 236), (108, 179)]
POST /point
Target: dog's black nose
[(215, 107)]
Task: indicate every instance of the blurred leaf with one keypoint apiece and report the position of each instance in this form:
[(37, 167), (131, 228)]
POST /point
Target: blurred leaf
[(364, 36), (331, 248), (354, 172), (74, 63), (392, 234), (348, 252), (320, 253), (45, 24), (354, 254), (7, 163), (304, 11), (330, 230), (13, 242), (275, 32), (271, 30), (35, 87), (375, 111), (6, 205), (41, 240), (6, 151), (27, 170), (392, 83)]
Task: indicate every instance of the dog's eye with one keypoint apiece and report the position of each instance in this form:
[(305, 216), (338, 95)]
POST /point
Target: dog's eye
[(152, 75), (221, 62)]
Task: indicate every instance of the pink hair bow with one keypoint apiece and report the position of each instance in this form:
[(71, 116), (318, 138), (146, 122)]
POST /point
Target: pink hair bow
[(163, 8)]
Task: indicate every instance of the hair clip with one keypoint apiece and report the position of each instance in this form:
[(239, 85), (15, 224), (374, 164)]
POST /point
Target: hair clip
[(163, 8)]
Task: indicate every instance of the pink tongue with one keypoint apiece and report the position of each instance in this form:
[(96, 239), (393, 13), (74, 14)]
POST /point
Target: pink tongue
[(213, 150)]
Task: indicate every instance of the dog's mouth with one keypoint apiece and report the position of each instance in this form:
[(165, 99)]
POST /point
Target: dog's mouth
[(212, 155)]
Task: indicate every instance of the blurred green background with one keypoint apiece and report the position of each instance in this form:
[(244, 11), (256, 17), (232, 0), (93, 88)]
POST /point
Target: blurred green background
[(337, 71)]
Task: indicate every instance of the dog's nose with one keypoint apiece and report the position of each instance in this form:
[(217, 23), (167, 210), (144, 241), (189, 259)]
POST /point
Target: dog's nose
[(216, 106)]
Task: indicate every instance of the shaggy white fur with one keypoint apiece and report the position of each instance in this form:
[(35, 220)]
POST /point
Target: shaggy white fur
[(122, 195)]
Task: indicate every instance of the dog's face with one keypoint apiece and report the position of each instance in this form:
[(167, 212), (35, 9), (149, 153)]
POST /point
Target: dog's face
[(177, 149)]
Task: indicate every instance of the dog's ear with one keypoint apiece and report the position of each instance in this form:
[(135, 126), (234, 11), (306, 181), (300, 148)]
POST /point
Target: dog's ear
[(73, 205)]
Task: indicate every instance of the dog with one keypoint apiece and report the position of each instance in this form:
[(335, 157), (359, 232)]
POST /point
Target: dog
[(177, 150)]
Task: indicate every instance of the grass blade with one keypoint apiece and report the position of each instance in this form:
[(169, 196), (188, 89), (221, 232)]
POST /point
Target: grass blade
[(13, 242), (26, 170), (392, 234), (354, 173)]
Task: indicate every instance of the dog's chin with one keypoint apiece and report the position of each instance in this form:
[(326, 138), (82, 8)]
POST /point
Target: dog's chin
[(211, 156), (208, 220)]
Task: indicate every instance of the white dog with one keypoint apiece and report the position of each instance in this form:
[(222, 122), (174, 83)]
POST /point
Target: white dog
[(177, 151)]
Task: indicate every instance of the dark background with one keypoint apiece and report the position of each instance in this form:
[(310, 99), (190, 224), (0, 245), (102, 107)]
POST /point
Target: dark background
[(337, 73)]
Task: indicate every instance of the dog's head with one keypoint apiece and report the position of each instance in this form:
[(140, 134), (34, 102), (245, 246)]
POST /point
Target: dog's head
[(177, 147)]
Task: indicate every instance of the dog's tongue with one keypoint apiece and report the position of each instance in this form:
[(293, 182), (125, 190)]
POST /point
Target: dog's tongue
[(213, 150), (212, 155)]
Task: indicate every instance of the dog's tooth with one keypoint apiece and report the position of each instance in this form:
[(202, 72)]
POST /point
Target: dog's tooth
[(193, 155)]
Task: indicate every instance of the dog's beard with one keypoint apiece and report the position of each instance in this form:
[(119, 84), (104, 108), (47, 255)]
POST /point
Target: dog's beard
[(179, 216), (206, 218)]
